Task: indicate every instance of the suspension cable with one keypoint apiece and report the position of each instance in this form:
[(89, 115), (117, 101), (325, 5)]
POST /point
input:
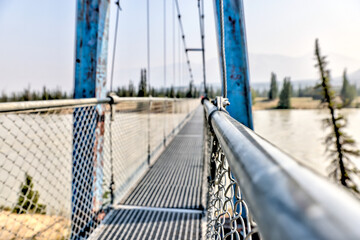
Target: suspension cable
[(148, 80), (117, 3), (179, 55), (173, 19), (148, 43), (184, 41), (202, 36), (165, 44), (223, 57), (112, 182)]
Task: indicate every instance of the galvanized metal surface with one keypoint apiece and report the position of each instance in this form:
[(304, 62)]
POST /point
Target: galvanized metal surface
[(148, 224), (228, 215), (167, 202), (175, 180), (236, 58), (287, 200), (50, 104)]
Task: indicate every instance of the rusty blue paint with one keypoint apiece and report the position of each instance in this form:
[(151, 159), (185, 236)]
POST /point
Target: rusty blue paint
[(237, 68), (236, 58), (90, 81)]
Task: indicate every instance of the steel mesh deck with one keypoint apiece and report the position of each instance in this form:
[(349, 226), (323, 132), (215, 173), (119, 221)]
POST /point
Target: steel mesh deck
[(175, 180), (148, 224), (167, 202)]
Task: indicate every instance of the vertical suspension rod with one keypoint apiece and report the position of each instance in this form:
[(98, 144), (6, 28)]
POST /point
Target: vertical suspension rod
[(148, 79), (202, 36), (148, 42), (222, 51), (165, 44)]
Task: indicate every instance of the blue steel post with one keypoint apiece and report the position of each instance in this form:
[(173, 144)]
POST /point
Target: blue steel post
[(236, 58), (88, 132), (236, 61)]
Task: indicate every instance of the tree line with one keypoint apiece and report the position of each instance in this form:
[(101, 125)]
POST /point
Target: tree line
[(143, 90), (31, 95), (125, 91), (347, 93)]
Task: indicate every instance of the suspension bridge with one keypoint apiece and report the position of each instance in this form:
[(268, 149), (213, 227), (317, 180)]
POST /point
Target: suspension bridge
[(101, 166)]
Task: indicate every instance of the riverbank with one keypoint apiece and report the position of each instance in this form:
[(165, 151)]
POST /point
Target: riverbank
[(296, 103), (33, 226)]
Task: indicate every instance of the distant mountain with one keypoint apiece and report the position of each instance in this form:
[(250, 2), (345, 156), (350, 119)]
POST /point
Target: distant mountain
[(300, 69)]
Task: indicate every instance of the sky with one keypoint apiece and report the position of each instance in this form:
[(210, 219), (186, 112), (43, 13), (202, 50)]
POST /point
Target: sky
[(37, 41)]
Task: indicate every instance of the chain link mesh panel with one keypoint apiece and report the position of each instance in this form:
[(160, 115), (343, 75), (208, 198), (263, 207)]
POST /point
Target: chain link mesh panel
[(140, 130), (61, 168), (35, 172), (90, 189), (228, 216)]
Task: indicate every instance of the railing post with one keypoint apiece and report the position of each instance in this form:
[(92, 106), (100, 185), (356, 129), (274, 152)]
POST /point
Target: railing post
[(88, 131), (236, 58)]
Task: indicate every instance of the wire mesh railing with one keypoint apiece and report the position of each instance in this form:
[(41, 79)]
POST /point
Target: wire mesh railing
[(62, 163), (228, 215)]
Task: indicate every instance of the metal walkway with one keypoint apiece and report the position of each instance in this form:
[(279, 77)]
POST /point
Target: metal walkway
[(167, 203)]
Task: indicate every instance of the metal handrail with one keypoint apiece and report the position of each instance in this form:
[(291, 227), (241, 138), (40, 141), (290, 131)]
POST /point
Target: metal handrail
[(35, 105), (46, 104), (117, 99), (287, 200)]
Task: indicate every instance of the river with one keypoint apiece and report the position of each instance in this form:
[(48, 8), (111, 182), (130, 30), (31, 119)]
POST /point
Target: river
[(301, 133)]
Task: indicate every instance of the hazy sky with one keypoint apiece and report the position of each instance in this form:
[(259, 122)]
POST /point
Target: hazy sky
[(37, 40)]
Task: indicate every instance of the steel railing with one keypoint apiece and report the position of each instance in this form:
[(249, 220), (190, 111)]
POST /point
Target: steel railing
[(287, 199), (39, 141)]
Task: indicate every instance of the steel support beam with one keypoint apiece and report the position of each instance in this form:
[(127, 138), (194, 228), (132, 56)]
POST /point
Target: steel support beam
[(90, 82), (236, 58)]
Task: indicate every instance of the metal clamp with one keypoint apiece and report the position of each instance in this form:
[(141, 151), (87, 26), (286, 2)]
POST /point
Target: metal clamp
[(220, 103)]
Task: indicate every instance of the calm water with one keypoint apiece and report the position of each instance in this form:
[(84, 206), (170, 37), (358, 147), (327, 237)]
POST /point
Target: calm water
[(301, 133)]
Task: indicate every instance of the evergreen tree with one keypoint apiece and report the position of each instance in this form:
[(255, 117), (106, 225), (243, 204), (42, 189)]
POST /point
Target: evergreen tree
[(28, 198), (131, 91), (196, 93), (273, 87), (153, 92), (348, 91), (339, 145), (4, 97), (300, 92), (180, 94), (172, 92), (189, 93), (285, 95), (142, 85)]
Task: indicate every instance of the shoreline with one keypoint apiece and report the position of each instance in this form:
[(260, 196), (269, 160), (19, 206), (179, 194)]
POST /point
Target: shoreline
[(296, 103)]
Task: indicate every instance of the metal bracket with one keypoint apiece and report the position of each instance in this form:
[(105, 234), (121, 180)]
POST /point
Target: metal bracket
[(112, 108), (221, 103)]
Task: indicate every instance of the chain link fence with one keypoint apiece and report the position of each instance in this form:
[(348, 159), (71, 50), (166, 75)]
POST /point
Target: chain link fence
[(228, 215), (61, 167)]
